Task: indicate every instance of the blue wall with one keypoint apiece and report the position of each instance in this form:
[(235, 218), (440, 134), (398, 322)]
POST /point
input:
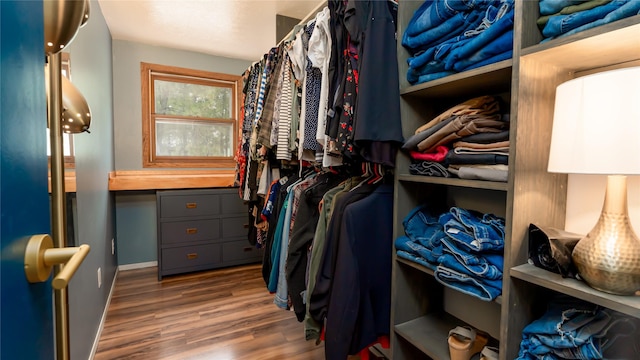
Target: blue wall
[(92, 74), (136, 211), (137, 232)]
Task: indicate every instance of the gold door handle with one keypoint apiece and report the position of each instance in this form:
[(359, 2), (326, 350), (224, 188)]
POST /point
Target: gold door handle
[(40, 257)]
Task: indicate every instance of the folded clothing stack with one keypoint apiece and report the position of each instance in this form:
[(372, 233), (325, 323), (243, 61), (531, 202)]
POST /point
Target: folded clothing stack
[(449, 36), (422, 242), (469, 140), (463, 247), (573, 329), (566, 17)]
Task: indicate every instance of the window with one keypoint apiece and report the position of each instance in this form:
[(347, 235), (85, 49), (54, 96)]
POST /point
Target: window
[(67, 139), (189, 117)]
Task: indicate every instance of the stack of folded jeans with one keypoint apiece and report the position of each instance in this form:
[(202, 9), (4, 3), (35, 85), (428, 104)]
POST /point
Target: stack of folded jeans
[(463, 247), (472, 259), (422, 242), (448, 36), (566, 17), (469, 140), (572, 329)]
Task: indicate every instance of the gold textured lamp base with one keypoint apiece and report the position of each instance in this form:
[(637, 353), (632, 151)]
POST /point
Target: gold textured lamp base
[(608, 258)]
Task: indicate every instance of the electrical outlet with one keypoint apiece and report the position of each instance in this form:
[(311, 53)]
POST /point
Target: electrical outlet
[(99, 278), (113, 246)]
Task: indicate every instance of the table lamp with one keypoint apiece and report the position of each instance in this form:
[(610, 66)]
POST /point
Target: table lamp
[(596, 130)]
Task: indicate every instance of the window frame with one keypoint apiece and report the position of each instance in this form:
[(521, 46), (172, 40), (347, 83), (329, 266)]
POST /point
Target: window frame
[(148, 74)]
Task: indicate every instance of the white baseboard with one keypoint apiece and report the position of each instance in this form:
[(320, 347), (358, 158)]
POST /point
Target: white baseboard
[(104, 317), (141, 265)]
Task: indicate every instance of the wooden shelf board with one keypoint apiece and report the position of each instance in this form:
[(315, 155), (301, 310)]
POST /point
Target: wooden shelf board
[(415, 265), (429, 333), (614, 43), (629, 305), (477, 184), (430, 272), (169, 179), (493, 78)]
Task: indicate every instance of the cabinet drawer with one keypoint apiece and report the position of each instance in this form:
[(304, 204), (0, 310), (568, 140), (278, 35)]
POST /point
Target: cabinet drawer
[(191, 256), (187, 231), (189, 205), (234, 227), (239, 250), (232, 204)]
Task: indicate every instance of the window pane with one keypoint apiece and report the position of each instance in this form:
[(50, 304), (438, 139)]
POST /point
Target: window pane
[(176, 98), (193, 138)]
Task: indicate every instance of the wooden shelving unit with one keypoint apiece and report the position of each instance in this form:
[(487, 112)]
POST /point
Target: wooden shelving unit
[(423, 310)]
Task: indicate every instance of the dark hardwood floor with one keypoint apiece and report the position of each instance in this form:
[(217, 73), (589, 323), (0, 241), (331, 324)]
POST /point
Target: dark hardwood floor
[(222, 314)]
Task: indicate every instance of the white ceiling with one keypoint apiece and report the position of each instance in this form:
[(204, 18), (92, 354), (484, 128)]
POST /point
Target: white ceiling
[(241, 29)]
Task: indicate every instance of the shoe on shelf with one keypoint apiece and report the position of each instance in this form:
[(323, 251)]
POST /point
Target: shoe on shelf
[(489, 353), (465, 341)]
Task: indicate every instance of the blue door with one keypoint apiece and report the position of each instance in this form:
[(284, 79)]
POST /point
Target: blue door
[(26, 314)]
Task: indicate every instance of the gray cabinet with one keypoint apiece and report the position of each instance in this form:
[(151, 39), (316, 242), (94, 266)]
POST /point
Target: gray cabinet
[(202, 229), (423, 311)]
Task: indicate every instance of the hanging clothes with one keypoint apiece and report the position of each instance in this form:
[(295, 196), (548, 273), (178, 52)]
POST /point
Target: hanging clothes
[(319, 56), (336, 66), (313, 113), (267, 261), (360, 296), (344, 140), (320, 296), (302, 236), (264, 123), (311, 103), (377, 127), (285, 115), (312, 328)]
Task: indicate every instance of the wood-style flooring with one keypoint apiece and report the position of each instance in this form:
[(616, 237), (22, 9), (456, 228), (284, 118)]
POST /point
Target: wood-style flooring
[(224, 314)]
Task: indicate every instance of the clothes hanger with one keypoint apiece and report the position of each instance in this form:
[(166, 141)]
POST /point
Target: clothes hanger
[(366, 175), (324, 177), (375, 175), (382, 173)]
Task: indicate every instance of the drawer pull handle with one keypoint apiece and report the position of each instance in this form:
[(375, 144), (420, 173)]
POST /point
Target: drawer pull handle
[(192, 256), (192, 205), (192, 231), (246, 226), (247, 248)]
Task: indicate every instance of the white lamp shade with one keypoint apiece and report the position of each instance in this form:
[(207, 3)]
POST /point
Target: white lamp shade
[(596, 124)]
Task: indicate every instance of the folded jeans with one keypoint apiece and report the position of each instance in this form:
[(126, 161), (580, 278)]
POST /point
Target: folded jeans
[(474, 231), (467, 284)]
